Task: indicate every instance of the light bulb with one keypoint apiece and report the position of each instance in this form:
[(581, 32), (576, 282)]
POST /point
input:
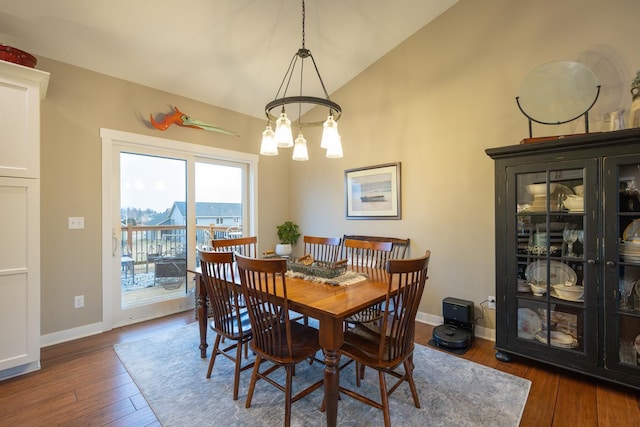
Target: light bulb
[(284, 137), (268, 146), (334, 151), (329, 132), (300, 152)]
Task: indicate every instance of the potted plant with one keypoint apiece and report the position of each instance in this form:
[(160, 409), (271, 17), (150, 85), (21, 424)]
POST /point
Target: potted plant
[(288, 234)]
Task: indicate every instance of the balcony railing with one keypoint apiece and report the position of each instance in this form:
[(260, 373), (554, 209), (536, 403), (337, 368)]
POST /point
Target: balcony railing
[(144, 243)]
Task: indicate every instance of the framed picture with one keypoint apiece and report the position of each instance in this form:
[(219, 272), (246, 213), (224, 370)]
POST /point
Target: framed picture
[(373, 192)]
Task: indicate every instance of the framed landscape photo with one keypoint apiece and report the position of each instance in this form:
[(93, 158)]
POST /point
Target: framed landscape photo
[(373, 192)]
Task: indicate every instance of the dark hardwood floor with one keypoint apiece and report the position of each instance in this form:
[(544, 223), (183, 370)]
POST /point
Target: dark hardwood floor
[(83, 383)]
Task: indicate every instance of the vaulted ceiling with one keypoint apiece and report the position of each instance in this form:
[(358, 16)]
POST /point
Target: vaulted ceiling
[(229, 53)]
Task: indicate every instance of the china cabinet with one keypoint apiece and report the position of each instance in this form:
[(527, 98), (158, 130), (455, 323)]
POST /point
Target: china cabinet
[(21, 89), (567, 215)]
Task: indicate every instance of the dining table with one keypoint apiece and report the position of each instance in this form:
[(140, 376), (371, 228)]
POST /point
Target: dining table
[(330, 304)]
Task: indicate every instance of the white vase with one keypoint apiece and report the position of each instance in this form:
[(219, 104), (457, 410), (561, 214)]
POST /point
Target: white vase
[(283, 249)]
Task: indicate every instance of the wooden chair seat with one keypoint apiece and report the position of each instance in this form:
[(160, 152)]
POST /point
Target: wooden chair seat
[(364, 344), (304, 341), (234, 329)]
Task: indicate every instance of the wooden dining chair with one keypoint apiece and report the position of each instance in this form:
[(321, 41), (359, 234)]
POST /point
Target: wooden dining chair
[(388, 345), (362, 254), (229, 316), (276, 338), (399, 248), (246, 246), (325, 249)]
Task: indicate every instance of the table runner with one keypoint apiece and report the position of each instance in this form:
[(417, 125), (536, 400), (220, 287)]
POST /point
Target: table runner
[(345, 279)]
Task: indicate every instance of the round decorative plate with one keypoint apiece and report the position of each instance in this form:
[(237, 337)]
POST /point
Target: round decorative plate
[(529, 323), (558, 92), (559, 273)]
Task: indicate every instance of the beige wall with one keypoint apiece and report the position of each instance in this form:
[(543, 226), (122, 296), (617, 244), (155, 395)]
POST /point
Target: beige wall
[(78, 104), (437, 101), (434, 103)]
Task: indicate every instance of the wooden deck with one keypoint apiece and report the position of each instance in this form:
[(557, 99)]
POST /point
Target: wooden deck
[(151, 293)]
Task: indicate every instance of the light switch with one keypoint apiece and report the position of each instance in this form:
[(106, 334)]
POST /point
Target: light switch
[(76, 222)]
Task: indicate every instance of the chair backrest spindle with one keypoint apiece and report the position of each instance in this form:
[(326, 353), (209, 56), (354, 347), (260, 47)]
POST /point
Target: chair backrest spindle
[(325, 249), (246, 246), (399, 249), (367, 254)]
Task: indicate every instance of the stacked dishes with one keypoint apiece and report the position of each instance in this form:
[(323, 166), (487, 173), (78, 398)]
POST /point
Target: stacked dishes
[(630, 251), (630, 248), (539, 192), (558, 339), (540, 204)]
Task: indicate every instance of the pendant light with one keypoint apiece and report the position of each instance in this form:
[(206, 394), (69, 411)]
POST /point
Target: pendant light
[(283, 136)]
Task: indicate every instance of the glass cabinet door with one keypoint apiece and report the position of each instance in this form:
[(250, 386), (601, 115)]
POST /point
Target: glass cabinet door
[(554, 282), (622, 262)]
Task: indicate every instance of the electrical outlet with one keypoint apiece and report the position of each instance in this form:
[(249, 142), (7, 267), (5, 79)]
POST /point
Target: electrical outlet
[(76, 222), (492, 302), (78, 301)]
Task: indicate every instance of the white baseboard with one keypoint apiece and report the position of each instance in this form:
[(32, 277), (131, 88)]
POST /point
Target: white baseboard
[(97, 328), (432, 319), (71, 334)]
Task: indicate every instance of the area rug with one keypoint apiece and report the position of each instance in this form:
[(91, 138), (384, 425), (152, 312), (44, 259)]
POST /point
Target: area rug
[(169, 372)]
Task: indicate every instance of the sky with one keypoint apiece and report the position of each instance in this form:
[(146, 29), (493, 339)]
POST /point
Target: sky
[(149, 182)]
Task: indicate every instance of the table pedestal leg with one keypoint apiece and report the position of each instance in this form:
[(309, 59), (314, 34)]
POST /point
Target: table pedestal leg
[(201, 311), (331, 338), (331, 385)]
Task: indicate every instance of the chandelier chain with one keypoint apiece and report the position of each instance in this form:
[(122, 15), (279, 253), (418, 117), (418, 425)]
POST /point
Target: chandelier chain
[(281, 100), (303, 18)]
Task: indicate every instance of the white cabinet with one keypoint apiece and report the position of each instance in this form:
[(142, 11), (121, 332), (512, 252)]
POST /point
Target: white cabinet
[(21, 89)]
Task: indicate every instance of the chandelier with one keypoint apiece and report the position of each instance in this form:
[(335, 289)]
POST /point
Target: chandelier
[(282, 137)]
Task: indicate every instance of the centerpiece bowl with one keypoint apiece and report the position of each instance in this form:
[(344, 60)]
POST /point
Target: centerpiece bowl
[(570, 292)]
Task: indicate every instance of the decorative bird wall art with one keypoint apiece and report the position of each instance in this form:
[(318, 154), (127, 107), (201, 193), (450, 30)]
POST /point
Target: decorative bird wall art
[(181, 119)]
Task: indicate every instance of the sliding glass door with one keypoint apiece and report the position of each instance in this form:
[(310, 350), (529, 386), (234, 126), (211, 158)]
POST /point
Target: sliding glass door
[(153, 229), (165, 203)]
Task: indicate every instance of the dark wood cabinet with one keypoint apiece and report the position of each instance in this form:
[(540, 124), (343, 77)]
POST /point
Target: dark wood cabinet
[(567, 241)]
